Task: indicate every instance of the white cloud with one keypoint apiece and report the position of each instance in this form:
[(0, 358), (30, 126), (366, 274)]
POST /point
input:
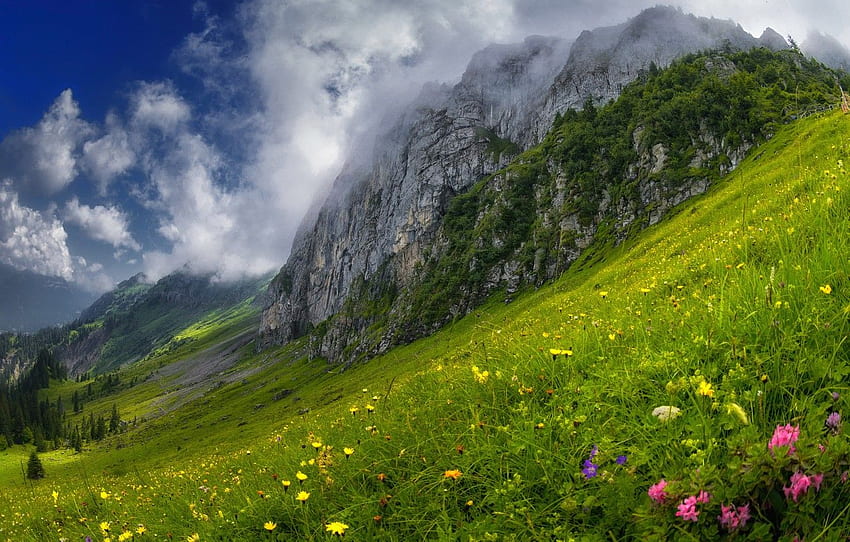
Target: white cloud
[(43, 158), (157, 105), (101, 223), (108, 156), (30, 240)]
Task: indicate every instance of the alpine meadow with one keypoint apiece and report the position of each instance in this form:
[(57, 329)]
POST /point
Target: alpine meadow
[(634, 325)]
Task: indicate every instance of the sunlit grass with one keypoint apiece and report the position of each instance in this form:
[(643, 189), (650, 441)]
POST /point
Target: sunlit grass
[(527, 421)]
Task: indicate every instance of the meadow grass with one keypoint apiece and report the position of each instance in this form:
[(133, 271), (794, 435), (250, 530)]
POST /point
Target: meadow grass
[(527, 421)]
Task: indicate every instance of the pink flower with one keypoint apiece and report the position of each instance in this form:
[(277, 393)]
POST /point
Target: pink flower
[(784, 435), (800, 484), (688, 510), (732, 518), (657, 492), (703, 497)]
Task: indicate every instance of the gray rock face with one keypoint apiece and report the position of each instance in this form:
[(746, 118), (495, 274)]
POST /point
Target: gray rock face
[(384, 213)]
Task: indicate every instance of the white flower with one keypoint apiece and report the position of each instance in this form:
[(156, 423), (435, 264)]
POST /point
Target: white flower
[(666, 413)]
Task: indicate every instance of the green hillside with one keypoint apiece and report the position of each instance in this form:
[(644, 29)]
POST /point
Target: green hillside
[(527, 421)]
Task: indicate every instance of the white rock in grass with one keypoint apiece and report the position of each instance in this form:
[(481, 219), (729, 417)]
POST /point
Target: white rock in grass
[(666, 413)]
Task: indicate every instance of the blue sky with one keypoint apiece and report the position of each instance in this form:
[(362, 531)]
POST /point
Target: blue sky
[(152, 135)]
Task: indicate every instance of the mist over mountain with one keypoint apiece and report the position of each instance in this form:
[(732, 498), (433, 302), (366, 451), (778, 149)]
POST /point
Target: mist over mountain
[(29, 301), (380, 222), (828, 50)]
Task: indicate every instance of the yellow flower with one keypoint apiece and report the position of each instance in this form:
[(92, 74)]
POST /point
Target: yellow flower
[(141, 529), (555, 351), (104, 526), (704, 389), (336, 528), (316, 445), (301, 476), (270, 525), (286, 484), (103, 494), (370, 409), (348, 452), (354, 410), (126, 535), (603, 294), (55, 496), (453, 474), (826, 288), (194, 537), (302, 496), (736, 410)]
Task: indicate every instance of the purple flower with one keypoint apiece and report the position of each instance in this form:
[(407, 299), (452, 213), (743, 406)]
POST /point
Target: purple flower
[(835, 396), (589, 469), (621, 460), (594, 451), (833, 421)]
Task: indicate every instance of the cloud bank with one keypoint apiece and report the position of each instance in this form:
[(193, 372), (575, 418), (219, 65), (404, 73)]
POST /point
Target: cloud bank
[(221, 162)]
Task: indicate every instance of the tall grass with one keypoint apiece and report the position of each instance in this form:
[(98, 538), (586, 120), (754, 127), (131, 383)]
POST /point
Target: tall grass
[(533, 421)]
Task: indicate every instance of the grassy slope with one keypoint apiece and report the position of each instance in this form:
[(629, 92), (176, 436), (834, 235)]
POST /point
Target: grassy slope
[(728, 292)]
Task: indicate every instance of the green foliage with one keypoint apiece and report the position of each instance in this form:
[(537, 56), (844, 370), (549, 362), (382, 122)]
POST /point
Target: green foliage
[(35, 470), (702, 111)]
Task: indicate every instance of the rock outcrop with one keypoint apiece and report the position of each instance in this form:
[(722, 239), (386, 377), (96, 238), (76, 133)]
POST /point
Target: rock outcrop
[(382, 219)]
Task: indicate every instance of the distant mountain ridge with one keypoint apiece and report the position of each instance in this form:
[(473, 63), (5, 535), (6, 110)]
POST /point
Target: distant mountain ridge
[(379, 224), (29, 301)]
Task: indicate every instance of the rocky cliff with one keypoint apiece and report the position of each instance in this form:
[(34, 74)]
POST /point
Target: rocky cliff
[(373, 239)]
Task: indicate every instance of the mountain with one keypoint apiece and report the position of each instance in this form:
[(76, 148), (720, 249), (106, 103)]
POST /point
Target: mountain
[(828, 50), (381, 222), (139, 318), (135, 320), (29, 301)]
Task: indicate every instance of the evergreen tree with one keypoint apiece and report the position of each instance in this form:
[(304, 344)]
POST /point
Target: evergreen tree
[(115, 419), (35, 469)]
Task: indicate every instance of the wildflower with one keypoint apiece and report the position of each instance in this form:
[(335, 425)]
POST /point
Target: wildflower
[(835, 396), (621, 460), (382, 477), (300, 476), (826, 288), (784, 435), (336, 528), (270, 525), (666, 413), (126, 535), (104, 527), (103, 494), (302, 496), (735, 410), (705, 389), (286, 484), (55, 495), (453, 474), (590, 469), (141, 529), (370, 409), (316, 445), (799, 485), (469, 503), (732, 518), (348, 452), (378, 518), (194, 537), (687, 510), (354, 410), (603, 294), (833, 421), (657, 491)]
